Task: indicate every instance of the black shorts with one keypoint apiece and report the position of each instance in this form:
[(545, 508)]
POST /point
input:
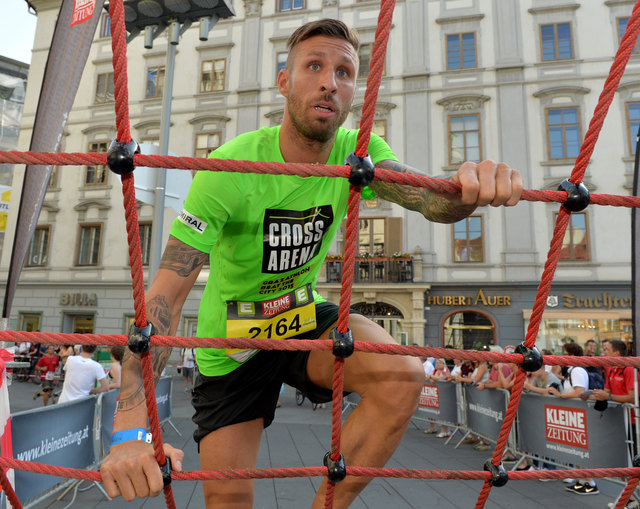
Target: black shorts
[(251, 390)]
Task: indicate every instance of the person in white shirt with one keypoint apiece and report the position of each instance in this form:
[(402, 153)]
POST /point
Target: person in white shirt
[(81, 373)]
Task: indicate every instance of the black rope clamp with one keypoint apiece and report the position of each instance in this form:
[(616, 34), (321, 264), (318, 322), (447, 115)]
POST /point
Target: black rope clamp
[(362, 169), (140, 337), (577, 195), (120, 156), (636, 461), (166, 472), (499, 476), (342, 342), (337, 469), (532, 360)]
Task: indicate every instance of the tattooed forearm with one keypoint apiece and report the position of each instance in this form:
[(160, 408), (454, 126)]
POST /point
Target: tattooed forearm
[(181, 258), (160, 314), (431, 206)]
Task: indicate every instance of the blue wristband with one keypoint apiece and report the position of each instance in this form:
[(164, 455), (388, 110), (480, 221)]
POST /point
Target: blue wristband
[(130, 435)]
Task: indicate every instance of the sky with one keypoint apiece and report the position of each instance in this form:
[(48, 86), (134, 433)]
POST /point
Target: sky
[(16, 36)]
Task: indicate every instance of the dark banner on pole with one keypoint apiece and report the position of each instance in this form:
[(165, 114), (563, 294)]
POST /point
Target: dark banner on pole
[(485, 410), (163, 398), (109, 402), (54, 435), (571, 431), (67, 56), (438, 401)]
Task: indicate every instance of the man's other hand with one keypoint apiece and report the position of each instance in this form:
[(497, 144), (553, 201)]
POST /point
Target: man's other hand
[(488, 183)]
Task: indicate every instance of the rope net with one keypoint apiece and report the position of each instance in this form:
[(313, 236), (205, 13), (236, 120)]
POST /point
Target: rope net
[(438, 186)]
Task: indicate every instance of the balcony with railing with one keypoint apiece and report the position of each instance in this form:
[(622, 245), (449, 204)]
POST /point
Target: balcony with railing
[(372, 269)]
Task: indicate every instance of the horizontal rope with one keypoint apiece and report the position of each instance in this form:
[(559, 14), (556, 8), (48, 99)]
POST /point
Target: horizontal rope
[(434, 185), (312, 345)]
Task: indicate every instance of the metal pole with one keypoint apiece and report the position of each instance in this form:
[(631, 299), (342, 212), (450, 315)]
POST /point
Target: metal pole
[(161, 175)]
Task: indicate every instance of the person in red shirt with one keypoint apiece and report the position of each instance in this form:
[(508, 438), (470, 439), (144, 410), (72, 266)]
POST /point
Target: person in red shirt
[(46, 366)]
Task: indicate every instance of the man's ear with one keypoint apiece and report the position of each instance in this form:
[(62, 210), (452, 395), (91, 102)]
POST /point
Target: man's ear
[(283, 82)]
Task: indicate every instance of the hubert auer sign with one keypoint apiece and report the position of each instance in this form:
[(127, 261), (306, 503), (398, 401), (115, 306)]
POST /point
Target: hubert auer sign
[(480, 299)]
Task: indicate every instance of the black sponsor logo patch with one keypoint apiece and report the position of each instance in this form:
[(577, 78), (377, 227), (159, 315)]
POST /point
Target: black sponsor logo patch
[(293, 237)]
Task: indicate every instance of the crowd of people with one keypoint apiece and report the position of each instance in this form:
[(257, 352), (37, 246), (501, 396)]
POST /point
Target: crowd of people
[(592, 383), (69, 366)]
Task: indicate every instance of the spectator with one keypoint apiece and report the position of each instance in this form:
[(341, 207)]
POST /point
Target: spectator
[(494, 381), (34, 354), (590, 348), (441, 372), (65, 352), (619, 387), (576, 381), (82, 372), (187, 366), (457, 371), (114, 376), (429, 368), (539, 381), (46, 366)]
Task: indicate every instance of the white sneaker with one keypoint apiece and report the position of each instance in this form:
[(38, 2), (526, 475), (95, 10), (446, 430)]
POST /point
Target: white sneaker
[(569, 481)]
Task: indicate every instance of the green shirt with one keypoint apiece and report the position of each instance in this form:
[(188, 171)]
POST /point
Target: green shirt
[(267, 237)]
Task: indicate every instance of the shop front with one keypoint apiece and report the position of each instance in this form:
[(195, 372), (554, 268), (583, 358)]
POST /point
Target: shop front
[(472, 316)]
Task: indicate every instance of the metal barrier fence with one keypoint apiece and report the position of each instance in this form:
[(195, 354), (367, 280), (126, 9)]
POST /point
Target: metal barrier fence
[(567, 432), (75, 434)]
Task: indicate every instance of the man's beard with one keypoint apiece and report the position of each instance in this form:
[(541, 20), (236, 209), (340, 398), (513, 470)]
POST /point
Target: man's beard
[(324, 132)]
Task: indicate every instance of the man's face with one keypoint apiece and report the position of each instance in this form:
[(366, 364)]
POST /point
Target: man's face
[(50, 350), (590, 348), (606, 349), (319, 84)]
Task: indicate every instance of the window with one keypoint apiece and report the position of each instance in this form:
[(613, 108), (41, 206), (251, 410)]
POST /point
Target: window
[(563, 133), (89, 245), (464, 138), (97, 175), (364, 53), (371, 237), (556, 41), (144, 230), (206, 142), (281, 62), (190, 327), (379, 127), (575, 245), (30, 322), (468, 330), (289, 5), (155, 81), (461, 51), (53, 178), (633, 124), (104, 88), (468, 241), (105, 26), (39, 248), (622, 28), (213, 75)]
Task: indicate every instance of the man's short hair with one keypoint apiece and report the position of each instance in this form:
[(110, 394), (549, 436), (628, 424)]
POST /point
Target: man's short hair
[(327, 26), (590, 341), (89, 348), (573, 349), (617, 345)]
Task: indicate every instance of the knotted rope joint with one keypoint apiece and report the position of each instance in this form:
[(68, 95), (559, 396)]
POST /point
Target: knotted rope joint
[(140, 337), (337, 470), (120, 156), (499, 476), (342, 342), (577, 195), (166, 473), (362, 169), (532, 358)]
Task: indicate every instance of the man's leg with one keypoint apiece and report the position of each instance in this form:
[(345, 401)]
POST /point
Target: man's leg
[(232, 447), (389, 387)]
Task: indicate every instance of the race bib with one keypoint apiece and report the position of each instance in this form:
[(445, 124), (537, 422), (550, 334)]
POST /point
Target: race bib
[(289, 315), (49, 375)]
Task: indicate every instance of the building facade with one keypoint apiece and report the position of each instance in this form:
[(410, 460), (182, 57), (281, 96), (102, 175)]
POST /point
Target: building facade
[(510, 80)]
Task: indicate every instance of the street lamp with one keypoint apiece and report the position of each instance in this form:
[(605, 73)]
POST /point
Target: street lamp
[(152, 17)]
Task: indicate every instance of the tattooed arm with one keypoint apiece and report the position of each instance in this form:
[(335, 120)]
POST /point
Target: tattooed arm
[(130, 469), (485, 183)]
